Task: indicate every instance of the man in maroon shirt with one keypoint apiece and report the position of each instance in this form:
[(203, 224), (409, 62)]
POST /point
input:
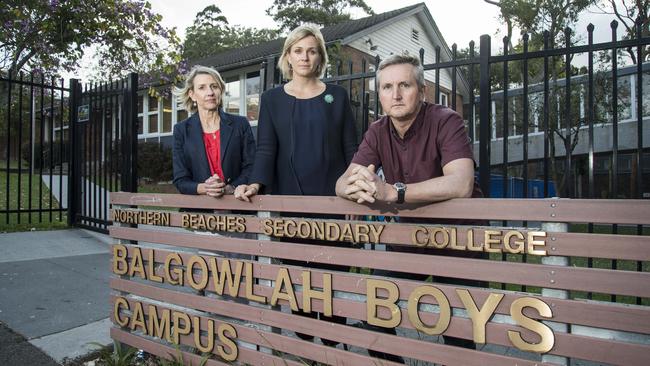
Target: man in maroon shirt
[(424, 152)]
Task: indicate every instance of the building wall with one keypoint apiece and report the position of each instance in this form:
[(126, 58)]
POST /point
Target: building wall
[(397, 37)]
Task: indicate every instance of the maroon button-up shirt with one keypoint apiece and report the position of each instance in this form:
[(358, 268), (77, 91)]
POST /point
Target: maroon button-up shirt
[(436, 137)]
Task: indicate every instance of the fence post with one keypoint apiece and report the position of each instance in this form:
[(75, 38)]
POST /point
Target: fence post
[(74, 172), (129, 169), (269, 283), (550, 228), (484, 115)]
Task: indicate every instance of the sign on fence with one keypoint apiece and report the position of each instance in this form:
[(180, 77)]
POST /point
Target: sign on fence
[(243, 299)]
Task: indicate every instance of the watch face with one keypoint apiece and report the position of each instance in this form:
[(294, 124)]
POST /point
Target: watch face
[(400, 186)]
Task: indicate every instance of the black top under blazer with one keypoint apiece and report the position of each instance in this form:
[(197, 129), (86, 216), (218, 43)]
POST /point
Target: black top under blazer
[(274, 167), (191, 165)]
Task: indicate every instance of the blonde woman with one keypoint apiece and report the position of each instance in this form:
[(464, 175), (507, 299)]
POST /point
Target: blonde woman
[(306, 131), (306, 134), (213, 150)]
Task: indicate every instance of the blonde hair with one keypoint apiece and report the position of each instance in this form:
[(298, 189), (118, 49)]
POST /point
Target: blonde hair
[(294, 37), (183, 93)]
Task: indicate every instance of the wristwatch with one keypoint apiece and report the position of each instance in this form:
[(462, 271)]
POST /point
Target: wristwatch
[(401, 191)]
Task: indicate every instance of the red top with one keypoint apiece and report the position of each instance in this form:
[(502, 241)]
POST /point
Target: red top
[(212, 142)]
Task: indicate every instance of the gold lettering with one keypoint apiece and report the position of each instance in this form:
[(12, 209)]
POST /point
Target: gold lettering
[(136, 264), (120, 266), (137, 318), (317, 230), (284, 281), (545, 333), (220, 277), (533, 243), (196, 321), (330, 229), (185, 220), (178, 280), (489, 241), (519, 244), (373, 303), (376, 231), (120, 302), (479, 317), (301, 233), (308, 293), (417, 239), (362, 231), (443, 303), (453, 243), (346, 233), (165, 218), (250, 283), (287, 225), (471, 246), (180, 328), (227, 334), (195, 259), (433, 238), (160, 328), (241, 224)]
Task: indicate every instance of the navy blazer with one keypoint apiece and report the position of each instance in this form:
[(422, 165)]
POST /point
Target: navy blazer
[(274, 167), (191, 165)]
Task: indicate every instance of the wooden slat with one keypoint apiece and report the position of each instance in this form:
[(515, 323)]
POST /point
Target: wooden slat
[(295, 346), (626, 247), (567, 345), (569, 278), (545, 210), (412, 348), (614, 316)]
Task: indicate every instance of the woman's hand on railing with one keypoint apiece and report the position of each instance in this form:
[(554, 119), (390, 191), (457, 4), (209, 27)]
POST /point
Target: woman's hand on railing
[(213, 187), (244, 192)]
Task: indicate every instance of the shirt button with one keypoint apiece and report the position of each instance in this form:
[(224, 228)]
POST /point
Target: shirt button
[(406, 174), (404, 148)]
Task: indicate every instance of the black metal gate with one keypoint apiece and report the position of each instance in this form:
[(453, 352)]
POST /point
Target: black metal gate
[(104, 146)]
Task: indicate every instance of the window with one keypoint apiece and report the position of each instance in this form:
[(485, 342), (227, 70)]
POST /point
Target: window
[(444, 99), (252, 95), (231, 97), (153, 114), (167, 115)]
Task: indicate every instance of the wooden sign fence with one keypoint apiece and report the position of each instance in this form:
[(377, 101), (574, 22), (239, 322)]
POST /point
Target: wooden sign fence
[(204, 280)]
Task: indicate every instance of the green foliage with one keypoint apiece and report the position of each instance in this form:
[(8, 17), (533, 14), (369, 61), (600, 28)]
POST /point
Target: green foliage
[(178, 360), (292, 13), (211, 34), (117, 356), (154, 161), (52, 36)]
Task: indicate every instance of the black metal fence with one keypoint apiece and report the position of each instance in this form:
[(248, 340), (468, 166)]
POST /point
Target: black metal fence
[(553, 122), (104, 148), (63, 149), (35, 150)]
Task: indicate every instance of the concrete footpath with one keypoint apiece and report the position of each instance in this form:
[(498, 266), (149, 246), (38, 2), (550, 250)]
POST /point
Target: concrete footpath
[(54, 296)]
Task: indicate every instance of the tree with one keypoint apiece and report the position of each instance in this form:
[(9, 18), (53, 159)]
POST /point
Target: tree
[(211, 34), (551, 21), (51, 36), (291, 13), (628, 14)]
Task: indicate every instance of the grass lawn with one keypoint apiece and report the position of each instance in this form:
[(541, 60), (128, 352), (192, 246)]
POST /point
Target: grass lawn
[(21, 222)]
